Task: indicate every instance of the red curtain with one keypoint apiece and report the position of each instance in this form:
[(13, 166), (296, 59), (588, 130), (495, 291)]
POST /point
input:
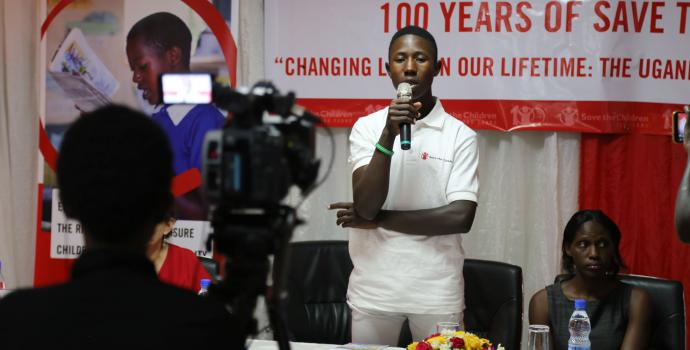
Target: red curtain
[(633, 179)]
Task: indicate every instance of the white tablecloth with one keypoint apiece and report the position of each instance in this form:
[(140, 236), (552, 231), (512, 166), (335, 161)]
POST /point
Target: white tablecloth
[(272, 345)]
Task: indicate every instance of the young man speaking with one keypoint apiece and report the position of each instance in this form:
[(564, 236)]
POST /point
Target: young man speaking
[(410, 206)]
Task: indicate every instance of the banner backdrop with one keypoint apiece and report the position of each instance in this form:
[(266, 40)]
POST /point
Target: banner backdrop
[(588, 66), (87, 65)]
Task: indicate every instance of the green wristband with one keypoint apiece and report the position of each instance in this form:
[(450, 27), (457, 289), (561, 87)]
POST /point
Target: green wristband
[(384, 150)]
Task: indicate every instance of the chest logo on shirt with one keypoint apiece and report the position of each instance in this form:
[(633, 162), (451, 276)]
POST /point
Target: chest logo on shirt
[(426, 156)]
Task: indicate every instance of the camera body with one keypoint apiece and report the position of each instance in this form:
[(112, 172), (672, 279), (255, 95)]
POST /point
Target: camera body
[(241, 167), (249, 163), (255, 167)]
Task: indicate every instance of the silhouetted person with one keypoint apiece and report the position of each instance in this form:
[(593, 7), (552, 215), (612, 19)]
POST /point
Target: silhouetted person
[(114, 173)]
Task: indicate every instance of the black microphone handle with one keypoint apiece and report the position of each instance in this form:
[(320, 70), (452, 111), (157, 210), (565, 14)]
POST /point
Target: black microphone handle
[(405, 136)]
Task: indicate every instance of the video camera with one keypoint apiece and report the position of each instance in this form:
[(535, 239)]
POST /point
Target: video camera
[(250, 164), (248, 169)]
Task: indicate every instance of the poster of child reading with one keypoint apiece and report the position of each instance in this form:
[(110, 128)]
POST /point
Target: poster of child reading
[(113, 51)]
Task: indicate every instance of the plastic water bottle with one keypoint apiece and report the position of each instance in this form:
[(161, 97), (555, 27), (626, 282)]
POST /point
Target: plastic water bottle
[(579, 327), (2, 278), (205, 282)]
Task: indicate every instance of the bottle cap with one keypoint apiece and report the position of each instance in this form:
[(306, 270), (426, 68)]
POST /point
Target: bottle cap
[(205, 282), (580, 304)]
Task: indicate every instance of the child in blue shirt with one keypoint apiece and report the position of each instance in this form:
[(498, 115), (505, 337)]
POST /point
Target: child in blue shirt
[(161, 43)]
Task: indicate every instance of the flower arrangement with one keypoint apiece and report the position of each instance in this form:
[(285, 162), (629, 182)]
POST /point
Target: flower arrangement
[(453, 340)]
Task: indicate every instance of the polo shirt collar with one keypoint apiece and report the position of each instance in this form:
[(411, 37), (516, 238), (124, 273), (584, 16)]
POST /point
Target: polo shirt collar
[(435, 118), (178, 112)]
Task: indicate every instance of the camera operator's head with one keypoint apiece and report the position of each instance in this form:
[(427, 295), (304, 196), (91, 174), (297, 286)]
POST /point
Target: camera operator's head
[(114, 172)]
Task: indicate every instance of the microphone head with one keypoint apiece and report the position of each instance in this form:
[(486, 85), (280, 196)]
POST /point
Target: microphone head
[(404, 92)]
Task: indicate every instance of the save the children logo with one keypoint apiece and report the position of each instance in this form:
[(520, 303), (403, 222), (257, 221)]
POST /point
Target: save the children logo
[(371, 108), (568, 116), (527, 115), (426, 156)]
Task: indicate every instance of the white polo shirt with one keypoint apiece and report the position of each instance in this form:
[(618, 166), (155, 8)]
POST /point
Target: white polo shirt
[(398, 272)]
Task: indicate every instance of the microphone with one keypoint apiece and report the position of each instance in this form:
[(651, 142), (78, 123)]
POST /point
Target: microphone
[(404, 94)]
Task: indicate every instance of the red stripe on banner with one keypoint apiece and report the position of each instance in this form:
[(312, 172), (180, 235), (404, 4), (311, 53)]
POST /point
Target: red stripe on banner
[(634, 180), (522, 115), (51, 16), (49, 153), (44, 145), (216, 23), (186, 181)]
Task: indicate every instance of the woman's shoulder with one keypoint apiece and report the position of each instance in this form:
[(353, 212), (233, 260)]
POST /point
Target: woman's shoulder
[(547, 292), (629, 291), (639, 297), (539, 296), (539, 307), (635, 290)]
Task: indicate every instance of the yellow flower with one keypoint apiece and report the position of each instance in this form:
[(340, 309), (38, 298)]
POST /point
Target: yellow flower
[(440, 339), (472, 341)]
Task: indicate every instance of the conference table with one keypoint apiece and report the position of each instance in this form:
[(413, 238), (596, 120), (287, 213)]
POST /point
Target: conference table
[(273, 345)]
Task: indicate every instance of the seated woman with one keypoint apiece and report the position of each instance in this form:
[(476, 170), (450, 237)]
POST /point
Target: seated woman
[(175, 265), (619, 313)]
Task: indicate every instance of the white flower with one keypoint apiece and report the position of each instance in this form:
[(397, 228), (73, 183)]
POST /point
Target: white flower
[(445, 346), (435, 343), (448, 333), (500, 347)]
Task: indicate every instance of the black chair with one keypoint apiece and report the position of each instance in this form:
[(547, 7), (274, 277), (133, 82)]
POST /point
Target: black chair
[(316, 282), (667, 321), (668, 310), (493, 303)]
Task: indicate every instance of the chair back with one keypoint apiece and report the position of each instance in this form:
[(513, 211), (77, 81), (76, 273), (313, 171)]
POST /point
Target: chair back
[(316, 283), (668, 310), (493, 301)]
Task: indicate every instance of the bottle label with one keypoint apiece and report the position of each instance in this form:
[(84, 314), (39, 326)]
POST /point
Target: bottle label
[(575, 347)]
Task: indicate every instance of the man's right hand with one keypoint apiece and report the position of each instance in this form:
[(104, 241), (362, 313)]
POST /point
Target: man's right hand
[(400, 112), (348, 217)]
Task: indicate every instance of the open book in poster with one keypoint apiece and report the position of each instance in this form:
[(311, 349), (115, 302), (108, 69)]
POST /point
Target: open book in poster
[(83, 77)]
